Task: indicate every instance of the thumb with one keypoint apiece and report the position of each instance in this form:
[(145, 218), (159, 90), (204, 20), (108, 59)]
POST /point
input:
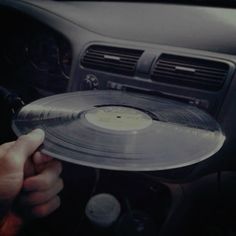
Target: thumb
[(23, 148)]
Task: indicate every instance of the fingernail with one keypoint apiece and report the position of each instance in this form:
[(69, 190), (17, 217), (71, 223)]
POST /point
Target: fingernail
[(38, 132)]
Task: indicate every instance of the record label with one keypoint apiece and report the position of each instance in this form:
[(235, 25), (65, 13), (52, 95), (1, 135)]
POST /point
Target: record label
[(118, 118)]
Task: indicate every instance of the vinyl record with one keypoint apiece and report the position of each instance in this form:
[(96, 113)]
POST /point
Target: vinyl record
[(121, 131)]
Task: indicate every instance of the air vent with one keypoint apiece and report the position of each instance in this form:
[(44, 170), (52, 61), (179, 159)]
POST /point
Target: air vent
[(190, 72), (111, 59)]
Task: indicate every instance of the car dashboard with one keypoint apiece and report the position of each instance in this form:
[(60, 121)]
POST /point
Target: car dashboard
[(181, 52)]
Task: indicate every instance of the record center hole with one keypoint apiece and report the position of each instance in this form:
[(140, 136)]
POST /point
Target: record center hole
[(119, 117)]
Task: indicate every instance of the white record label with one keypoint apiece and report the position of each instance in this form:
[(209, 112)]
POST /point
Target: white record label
[(118, 118)]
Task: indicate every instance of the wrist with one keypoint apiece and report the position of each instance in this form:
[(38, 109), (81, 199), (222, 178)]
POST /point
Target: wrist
[(10, 225)]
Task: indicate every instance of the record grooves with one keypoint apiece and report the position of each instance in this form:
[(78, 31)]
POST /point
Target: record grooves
[(121, 131)]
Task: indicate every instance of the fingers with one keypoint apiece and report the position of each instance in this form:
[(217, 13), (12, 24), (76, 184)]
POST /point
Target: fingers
[(45, 179), (23, 147), (41, 197), (29, 169), (40, 158), (40, 162), (36, 164), (46, 208)]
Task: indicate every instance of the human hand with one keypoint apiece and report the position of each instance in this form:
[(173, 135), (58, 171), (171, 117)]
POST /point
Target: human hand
[(32, 178), (38, 197)]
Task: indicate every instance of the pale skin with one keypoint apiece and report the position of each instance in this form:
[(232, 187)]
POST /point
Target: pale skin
[(29, 180)]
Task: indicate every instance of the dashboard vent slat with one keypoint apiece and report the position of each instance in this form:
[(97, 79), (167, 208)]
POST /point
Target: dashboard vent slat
[(111, 59), (190, 72)]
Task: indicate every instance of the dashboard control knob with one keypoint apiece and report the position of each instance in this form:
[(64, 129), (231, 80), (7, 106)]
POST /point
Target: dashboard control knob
[(90, 82)]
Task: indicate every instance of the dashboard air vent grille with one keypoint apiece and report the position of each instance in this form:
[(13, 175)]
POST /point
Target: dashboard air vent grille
[(190, 72), (111, 59)]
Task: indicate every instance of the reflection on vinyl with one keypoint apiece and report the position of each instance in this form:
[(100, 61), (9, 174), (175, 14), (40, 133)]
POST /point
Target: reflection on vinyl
[(121, 131)]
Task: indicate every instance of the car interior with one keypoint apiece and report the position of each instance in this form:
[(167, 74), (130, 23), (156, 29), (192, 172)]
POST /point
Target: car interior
[(184, 51)]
